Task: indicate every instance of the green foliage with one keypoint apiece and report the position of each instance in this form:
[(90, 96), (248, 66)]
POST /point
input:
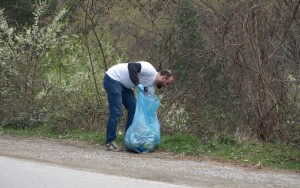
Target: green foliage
[(48, 70), (261, 76), (226, 147), (21, 60), (93, 136), (51, 73), (19, 11), (187, 58), (26, 121), (181, 144), (189, 35), (253, 153), (187, 45), (175, 118)]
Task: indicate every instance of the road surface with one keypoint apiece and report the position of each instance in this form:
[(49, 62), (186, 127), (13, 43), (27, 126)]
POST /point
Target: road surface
[(22, 174), (92, 160)]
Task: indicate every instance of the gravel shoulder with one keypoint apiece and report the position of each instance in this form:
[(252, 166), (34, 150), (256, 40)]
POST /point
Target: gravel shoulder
[(157, 166)]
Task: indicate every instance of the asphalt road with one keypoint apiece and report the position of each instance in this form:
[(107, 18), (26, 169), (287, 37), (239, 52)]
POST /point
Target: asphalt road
[(23, 174)]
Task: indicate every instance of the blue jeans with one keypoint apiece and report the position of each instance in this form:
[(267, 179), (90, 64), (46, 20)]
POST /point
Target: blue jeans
[(117, 96)]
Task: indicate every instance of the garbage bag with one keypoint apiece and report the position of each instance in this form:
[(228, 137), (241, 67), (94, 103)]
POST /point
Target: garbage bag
[(143, 135)]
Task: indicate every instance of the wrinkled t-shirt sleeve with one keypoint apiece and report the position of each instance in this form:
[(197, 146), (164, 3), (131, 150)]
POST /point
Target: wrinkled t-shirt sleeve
[(134, 69)]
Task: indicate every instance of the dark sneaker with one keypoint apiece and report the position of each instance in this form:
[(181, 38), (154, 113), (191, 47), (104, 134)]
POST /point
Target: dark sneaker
[(112, 146)]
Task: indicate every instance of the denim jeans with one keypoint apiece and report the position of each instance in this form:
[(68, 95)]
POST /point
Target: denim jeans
[(117, 96)]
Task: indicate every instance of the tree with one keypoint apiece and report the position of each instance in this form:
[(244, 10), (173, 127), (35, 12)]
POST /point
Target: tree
[(21, 61), (249, 35)]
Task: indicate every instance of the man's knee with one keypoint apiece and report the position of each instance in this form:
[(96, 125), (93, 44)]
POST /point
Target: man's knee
[(116, 114)]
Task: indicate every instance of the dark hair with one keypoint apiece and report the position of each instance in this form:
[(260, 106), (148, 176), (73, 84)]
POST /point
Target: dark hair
[(166, 73)]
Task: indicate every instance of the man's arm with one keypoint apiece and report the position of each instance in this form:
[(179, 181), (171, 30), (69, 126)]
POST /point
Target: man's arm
[(134, 69)]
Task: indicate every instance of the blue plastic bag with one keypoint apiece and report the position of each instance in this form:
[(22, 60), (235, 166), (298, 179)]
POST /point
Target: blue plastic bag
[(144, 133)]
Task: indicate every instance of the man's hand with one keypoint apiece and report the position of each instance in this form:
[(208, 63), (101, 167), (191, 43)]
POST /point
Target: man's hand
[(142, 88)]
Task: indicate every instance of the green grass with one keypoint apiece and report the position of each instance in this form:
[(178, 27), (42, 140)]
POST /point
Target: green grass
[(274, 156), (252, 153), (90, 136), (180, 144)]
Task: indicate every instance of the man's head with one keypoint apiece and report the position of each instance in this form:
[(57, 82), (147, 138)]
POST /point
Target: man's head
[(163, 78)]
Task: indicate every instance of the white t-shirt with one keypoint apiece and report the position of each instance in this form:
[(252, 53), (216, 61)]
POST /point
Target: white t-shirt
[(146, 76)]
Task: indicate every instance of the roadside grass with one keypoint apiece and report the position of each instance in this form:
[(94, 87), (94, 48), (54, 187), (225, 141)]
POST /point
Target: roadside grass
[(271, 155), (93, 137)]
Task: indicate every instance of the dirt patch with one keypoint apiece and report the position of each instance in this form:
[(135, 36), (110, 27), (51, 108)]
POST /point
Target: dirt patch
[(157, 166)]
